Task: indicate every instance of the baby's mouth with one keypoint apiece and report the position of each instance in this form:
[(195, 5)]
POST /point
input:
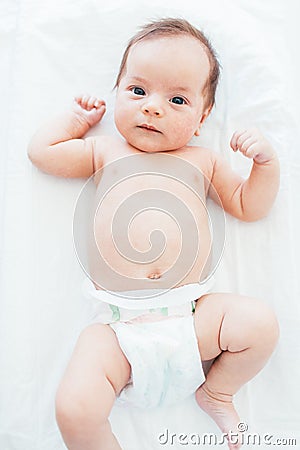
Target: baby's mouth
[(150, 128)]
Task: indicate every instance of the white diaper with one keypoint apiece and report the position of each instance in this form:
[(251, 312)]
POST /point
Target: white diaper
[(165, 362), (111, 307), (155, 330)]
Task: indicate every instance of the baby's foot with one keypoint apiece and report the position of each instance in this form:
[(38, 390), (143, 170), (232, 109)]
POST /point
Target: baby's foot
[(220, 408), (89, 108)]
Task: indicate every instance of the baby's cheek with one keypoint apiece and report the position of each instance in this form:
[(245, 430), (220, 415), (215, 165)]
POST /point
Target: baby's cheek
[(121, 119), (183, 130)]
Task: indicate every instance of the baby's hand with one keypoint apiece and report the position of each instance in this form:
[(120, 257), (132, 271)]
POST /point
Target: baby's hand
[(89, 108), (252, 144)]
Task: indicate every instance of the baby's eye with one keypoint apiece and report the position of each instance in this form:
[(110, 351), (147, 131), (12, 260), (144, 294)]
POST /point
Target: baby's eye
[(138, 91), (178, 100)]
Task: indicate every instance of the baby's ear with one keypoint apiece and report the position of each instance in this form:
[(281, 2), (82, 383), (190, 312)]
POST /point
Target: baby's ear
[(205, 114)]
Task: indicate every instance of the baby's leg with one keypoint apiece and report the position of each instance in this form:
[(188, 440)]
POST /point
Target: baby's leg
[(97, 372), (241, 334)]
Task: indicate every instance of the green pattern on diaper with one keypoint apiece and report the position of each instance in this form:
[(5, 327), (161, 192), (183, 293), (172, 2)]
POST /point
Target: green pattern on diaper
[(164, 311), (116, 313)]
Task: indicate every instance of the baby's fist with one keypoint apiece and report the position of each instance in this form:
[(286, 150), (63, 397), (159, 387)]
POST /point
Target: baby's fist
[(252, 144), (89, 108)]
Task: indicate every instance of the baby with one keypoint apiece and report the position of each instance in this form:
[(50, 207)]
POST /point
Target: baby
[(158, 320)]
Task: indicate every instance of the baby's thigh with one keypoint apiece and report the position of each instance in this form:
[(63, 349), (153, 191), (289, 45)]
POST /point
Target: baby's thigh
[(97, 355), (223, 318)]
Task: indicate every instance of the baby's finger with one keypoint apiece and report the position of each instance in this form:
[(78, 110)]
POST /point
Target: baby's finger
[(78, 99), (85, 101), (246, 144), (252, 151), (243, 138), (99, 103), (236, 136), (91, 103)]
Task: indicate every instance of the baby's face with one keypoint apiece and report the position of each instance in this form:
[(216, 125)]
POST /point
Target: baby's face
[(159, 103)]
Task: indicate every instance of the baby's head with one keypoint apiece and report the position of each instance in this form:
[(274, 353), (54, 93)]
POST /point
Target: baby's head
[(166, 85)]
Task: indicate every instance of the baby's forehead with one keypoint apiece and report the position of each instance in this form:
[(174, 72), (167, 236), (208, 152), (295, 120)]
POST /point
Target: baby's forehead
[(178, 53), (169, 42)]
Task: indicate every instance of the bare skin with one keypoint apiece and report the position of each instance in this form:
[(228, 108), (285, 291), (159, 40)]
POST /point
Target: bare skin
[(239, 333), (242, 335)]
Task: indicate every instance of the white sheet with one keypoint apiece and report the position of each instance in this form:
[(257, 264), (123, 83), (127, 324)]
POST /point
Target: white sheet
[(52, 50)]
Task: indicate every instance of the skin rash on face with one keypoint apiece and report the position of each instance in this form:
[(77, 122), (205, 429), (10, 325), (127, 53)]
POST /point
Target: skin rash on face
[(160, 103)]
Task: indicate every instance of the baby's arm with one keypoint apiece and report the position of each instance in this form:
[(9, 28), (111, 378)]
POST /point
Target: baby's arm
[(249, 199), (57, 147)]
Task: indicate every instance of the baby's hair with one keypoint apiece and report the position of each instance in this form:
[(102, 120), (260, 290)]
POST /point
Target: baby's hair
[(177, 27)]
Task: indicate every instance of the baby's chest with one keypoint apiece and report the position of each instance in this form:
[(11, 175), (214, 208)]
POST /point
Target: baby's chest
[(157, 173)]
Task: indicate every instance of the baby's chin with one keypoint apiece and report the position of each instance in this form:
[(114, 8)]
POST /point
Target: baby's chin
[(147, 150), (150, 147)]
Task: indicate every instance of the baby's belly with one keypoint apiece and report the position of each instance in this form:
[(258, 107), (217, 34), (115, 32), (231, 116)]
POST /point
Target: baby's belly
[(148, 248), (159, 259)]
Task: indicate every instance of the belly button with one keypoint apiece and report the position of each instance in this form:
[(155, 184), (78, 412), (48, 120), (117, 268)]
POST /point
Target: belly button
[(154, 276)]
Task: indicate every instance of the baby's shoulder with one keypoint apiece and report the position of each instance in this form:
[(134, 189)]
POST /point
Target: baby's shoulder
[(203, 158), (106, 149), (104, 141), (202, 152)]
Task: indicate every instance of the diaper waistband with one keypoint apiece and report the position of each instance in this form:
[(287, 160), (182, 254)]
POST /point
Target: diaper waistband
[(123, 306), (149, 298)]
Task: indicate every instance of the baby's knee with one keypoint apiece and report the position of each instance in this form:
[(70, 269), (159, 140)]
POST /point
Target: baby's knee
[(248, 322), (268, 323), (68, 414), (262, 321), (75, 412)]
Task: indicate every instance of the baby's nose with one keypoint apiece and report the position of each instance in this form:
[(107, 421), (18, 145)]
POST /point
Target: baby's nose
[(151, 111), (153, 108)]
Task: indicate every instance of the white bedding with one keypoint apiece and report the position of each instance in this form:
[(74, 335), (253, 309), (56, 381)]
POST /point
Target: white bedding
[(53, 50)]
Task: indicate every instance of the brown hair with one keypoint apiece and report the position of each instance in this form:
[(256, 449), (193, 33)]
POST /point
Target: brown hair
[(175, 27)]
